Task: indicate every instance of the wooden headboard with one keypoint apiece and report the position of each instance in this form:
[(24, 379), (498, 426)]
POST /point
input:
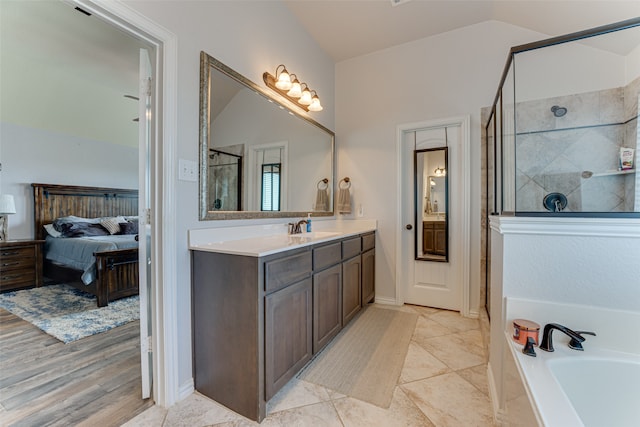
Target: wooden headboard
[(55, 201)]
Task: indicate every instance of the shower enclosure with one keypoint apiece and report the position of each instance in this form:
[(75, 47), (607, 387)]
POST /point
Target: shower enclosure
[(565, 114), (561, 138), (225, 181)]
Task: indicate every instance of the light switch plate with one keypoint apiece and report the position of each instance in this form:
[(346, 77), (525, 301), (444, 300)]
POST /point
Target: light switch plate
[(187, 170)]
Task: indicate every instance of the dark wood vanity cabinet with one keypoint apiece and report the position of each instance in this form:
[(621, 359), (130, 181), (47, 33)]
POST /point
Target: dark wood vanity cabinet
[(258, 320), (434, 237)]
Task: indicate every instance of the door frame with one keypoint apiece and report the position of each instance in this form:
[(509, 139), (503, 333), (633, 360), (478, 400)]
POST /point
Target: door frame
[(402, 253), (163, 298)]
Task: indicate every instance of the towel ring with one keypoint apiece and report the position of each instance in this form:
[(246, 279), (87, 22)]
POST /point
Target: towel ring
[(347, 181), (324, 181)]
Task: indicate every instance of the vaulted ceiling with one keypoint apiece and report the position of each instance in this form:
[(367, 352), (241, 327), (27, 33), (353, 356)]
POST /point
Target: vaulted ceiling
[(348, 28)]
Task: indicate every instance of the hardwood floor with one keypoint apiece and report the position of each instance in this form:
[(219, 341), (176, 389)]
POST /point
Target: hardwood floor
[(94, 381)]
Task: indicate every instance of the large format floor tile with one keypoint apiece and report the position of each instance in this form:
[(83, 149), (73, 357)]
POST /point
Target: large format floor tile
[(443, 383)]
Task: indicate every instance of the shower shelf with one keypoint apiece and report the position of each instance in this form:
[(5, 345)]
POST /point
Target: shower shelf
[(616, 172)]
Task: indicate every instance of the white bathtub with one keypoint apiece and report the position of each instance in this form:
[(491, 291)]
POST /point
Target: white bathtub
[(594, 388)]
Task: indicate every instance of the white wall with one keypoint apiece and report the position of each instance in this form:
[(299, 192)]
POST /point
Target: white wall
[(448, 75), (33, 155), (251, 37)]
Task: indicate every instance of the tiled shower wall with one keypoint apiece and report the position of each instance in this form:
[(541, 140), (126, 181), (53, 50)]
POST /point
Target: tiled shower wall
[(566, 154)]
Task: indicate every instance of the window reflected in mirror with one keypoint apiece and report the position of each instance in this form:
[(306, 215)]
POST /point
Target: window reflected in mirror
[(432, 204)]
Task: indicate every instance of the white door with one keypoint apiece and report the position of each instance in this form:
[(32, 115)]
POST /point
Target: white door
[(435, 283), (144, 200)]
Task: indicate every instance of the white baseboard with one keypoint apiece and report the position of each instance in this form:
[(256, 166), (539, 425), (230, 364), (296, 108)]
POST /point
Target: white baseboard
[(386, 301), (493, 391), (186, 389)]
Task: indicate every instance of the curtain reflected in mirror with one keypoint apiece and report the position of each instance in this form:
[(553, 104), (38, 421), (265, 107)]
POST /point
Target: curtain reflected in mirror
[(432, 204)]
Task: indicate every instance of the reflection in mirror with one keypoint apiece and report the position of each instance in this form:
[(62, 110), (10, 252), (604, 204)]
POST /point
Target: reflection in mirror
[(432, 204), (258, 158)]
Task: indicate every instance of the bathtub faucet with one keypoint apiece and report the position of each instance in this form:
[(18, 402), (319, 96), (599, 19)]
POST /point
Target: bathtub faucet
[(576, 337)]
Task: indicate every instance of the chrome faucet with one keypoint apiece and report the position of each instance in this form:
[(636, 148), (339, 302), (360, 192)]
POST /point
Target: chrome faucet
[(576, 337), (296, 228)]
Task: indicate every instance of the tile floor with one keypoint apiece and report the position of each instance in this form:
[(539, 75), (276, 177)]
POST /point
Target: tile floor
[(443, 383)]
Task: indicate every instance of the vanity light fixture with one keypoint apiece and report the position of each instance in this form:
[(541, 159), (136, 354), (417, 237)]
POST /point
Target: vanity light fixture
[(440, 171), (289, 86)]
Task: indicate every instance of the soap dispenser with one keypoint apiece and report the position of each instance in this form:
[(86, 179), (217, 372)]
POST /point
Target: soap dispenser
[(309, 223)]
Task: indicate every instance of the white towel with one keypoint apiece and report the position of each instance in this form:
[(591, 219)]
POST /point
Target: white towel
[(322, 200), (344, 201)]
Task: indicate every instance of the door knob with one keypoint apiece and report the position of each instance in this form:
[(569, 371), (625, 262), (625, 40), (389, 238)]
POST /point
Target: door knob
[(409, 226)]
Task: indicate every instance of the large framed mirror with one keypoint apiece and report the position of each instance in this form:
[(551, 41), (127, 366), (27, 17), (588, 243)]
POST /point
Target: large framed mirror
[(259, 158), (432, 204)]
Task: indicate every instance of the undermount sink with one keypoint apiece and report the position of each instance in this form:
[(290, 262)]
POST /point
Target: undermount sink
[(314, 235)]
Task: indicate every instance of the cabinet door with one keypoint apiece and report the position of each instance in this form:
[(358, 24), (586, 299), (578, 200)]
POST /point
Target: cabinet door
[(327, 307), (428, 238), (440, 239), (288, 334), (351, 288), (368, 276)]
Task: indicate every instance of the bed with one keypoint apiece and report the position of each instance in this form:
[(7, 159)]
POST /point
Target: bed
[(109, 269)]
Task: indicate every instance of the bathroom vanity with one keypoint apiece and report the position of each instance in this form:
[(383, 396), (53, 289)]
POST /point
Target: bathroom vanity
[(263, 306)]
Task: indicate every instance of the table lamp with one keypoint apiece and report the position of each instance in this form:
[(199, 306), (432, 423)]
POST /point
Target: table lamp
[(7, 207)]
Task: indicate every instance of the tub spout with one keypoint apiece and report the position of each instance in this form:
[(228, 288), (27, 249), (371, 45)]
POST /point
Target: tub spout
[(576, 337)]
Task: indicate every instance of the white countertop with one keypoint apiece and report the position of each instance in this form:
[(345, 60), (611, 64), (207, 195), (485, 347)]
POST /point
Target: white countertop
[(262, 240)]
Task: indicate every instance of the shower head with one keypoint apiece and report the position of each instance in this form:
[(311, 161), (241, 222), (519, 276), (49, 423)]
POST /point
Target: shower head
[(558, 111)]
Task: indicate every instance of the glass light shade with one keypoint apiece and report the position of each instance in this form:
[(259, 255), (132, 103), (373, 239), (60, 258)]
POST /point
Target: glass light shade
[(315, 104), (296, 89), (7, 204), (440, 172), (305, 99), (284, 80)]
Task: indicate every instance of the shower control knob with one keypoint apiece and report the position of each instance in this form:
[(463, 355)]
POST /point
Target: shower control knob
[(409, 226)]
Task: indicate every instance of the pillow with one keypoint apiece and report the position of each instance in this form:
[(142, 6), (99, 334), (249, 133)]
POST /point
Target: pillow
[(129, 227), (52, 231), (111, 224), (70, 227)]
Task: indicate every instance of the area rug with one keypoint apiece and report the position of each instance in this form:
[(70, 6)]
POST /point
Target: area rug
[(68, 313), (365, 360)]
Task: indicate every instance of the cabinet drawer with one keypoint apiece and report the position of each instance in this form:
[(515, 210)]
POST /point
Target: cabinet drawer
[(368, 242), (15, 254), (17, 277), (351, 247), (326, 256), (285, 271), (15, 263)]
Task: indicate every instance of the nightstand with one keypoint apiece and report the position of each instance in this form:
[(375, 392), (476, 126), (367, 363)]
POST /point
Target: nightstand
[(20, 264)]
